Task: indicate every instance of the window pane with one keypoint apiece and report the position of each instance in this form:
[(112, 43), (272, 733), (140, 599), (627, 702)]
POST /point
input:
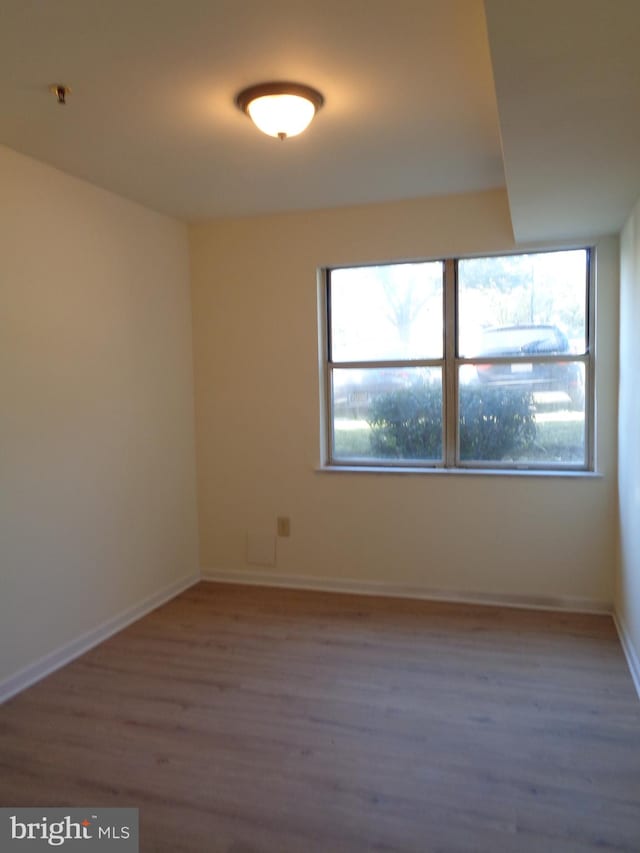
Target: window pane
[(386, 312), (387, 414), (523, 413), (523, 304)]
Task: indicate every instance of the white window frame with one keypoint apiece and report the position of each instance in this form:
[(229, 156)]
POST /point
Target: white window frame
[(450, 364)]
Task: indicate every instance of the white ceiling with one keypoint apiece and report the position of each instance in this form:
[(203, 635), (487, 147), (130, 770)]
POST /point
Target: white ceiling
[(567, 76), (411, 107)]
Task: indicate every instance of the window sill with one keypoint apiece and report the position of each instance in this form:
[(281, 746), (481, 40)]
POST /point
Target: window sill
[(456, 472)]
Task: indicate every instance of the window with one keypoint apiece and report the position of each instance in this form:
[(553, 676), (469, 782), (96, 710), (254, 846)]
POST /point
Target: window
[(469, 363)]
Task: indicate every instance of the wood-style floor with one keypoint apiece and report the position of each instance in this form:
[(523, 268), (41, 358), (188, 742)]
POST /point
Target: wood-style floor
[(243, 719)]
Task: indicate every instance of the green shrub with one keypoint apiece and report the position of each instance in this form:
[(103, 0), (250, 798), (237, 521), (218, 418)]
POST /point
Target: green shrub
[(495, 423), (407, 423)]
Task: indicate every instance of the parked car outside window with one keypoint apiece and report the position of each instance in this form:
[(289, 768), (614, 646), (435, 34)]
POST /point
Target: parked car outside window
[(535, 340)]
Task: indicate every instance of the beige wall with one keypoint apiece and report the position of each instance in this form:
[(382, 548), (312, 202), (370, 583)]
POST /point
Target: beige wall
[(97, 497), (628, 581), (257, 404)]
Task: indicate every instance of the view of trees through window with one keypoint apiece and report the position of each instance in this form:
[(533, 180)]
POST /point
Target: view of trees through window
[(543, 289), (514, 392)]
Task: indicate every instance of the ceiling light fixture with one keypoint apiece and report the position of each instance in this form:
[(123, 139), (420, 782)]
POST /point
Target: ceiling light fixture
[(280, 109)]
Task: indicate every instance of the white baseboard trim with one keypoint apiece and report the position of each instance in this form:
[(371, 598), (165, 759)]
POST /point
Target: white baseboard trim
[(633, 661), (54, 660), (528, 602)]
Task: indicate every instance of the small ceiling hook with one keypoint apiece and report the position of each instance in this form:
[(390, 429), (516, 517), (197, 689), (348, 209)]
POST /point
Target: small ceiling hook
[(60, 91)]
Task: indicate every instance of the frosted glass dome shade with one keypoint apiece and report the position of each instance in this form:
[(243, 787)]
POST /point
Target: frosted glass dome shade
[(280, 109)]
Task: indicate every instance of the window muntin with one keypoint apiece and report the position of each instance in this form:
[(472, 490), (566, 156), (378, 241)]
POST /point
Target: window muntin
[(511, 387)]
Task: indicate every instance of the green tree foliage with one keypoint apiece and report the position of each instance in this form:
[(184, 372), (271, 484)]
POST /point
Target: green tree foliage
[(496, 423)]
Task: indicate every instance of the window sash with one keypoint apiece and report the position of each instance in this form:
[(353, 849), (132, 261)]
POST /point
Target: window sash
[(381, 462)]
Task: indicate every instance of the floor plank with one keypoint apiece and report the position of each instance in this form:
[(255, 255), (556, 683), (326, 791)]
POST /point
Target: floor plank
[(245, 719)]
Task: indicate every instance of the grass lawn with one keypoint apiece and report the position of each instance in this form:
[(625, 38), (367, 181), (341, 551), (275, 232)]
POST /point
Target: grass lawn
[(559, 438)]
